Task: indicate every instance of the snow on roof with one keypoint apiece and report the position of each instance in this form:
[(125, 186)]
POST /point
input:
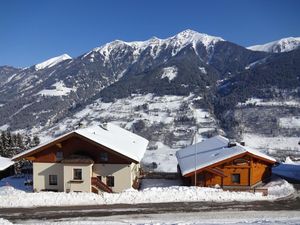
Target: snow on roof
[(209, 152), (5, 163), (110, 136), (117, 139)]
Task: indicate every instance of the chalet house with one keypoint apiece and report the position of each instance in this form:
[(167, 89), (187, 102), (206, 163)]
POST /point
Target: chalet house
[(94, 159), (6, 167), (217, 161)]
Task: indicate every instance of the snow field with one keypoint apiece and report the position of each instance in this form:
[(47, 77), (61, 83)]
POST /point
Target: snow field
[(272, 143), (169, 72), (60, 90)]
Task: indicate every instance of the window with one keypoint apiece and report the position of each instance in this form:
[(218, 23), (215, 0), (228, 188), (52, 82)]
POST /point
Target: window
[(235, 178), (59, 155), (103, 156), (52, 179), (110, 181), (77, 174)]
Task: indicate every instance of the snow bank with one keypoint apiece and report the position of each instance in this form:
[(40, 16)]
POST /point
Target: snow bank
[(10, 197), (280, 188), (5, 222)]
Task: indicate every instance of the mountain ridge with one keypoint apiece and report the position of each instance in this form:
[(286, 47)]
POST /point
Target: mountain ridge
[(166, 92)]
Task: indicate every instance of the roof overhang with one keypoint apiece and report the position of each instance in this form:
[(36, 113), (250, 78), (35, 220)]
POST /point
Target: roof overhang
[(29, 154), (210, 167)]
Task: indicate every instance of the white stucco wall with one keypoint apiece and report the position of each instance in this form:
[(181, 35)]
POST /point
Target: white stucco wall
[(123, 174), (70, 184), (41, 172)]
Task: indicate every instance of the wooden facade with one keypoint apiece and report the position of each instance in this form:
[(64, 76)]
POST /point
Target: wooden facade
[(76, 144), (244, 170)]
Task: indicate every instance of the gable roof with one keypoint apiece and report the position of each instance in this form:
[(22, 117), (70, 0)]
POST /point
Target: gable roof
[(5, 163), (109, 135), (212, 151)]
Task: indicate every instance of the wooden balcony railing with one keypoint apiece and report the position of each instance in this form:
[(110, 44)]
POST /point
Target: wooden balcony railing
[(100, 185)]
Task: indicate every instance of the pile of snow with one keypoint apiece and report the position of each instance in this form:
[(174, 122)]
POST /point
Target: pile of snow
[(5, 222), (169, 72), (52, 62), (10, 197), (60, 89), (280, 188), (282, 45)]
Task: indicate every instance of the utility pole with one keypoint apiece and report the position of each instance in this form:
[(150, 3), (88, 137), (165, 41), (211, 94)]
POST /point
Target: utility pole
[(195, 143)]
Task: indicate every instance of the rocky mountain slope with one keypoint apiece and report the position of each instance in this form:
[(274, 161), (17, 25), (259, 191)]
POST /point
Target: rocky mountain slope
[(173, 91)]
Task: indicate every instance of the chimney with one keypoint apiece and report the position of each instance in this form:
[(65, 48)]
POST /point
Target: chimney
[(242, 143), (103, 126), (231, 144)]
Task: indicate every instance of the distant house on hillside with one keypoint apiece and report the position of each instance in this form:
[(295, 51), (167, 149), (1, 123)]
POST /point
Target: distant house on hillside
[(6, 167), (94, 159), (221, 162)]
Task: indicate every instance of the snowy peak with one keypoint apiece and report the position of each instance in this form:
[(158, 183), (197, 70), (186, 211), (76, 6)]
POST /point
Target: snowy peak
[(177, 42), (282, 45), (51, 62), (190, 36)]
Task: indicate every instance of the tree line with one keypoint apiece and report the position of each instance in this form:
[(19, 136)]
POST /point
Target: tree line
[(12, 144)]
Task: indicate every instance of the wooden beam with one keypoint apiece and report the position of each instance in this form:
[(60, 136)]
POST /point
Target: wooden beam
[(216, 171)]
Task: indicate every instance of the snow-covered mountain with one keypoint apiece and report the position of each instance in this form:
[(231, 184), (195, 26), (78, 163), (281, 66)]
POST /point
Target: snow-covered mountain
[(167, 90), (155, 45), (52, 62), (282, 45)]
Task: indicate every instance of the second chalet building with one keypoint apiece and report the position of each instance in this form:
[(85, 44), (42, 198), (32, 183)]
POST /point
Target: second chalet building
[(217, 161), (94, 159)]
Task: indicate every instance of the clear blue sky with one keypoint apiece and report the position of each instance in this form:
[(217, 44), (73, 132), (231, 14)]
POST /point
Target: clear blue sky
[(32, 31)]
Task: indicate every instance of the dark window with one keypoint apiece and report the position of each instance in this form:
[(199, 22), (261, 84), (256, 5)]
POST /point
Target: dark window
[(240, 162), (110, 181), (77, 174), (59, 155), (200, 177), (103, 156), (52, 179), (235, 178)]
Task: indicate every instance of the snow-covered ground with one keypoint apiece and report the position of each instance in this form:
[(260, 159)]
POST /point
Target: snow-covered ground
[(11, 197), (59, 89), (208, 218), (262, 102), (271, 143)]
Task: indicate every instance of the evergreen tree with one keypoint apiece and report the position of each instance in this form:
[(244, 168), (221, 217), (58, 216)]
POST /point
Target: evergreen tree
[(35, 141)]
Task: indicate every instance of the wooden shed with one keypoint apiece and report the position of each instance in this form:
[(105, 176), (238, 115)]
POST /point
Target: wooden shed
[(217, 161)]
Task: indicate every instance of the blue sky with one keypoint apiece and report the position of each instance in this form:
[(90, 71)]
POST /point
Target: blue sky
[(32, 31)]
